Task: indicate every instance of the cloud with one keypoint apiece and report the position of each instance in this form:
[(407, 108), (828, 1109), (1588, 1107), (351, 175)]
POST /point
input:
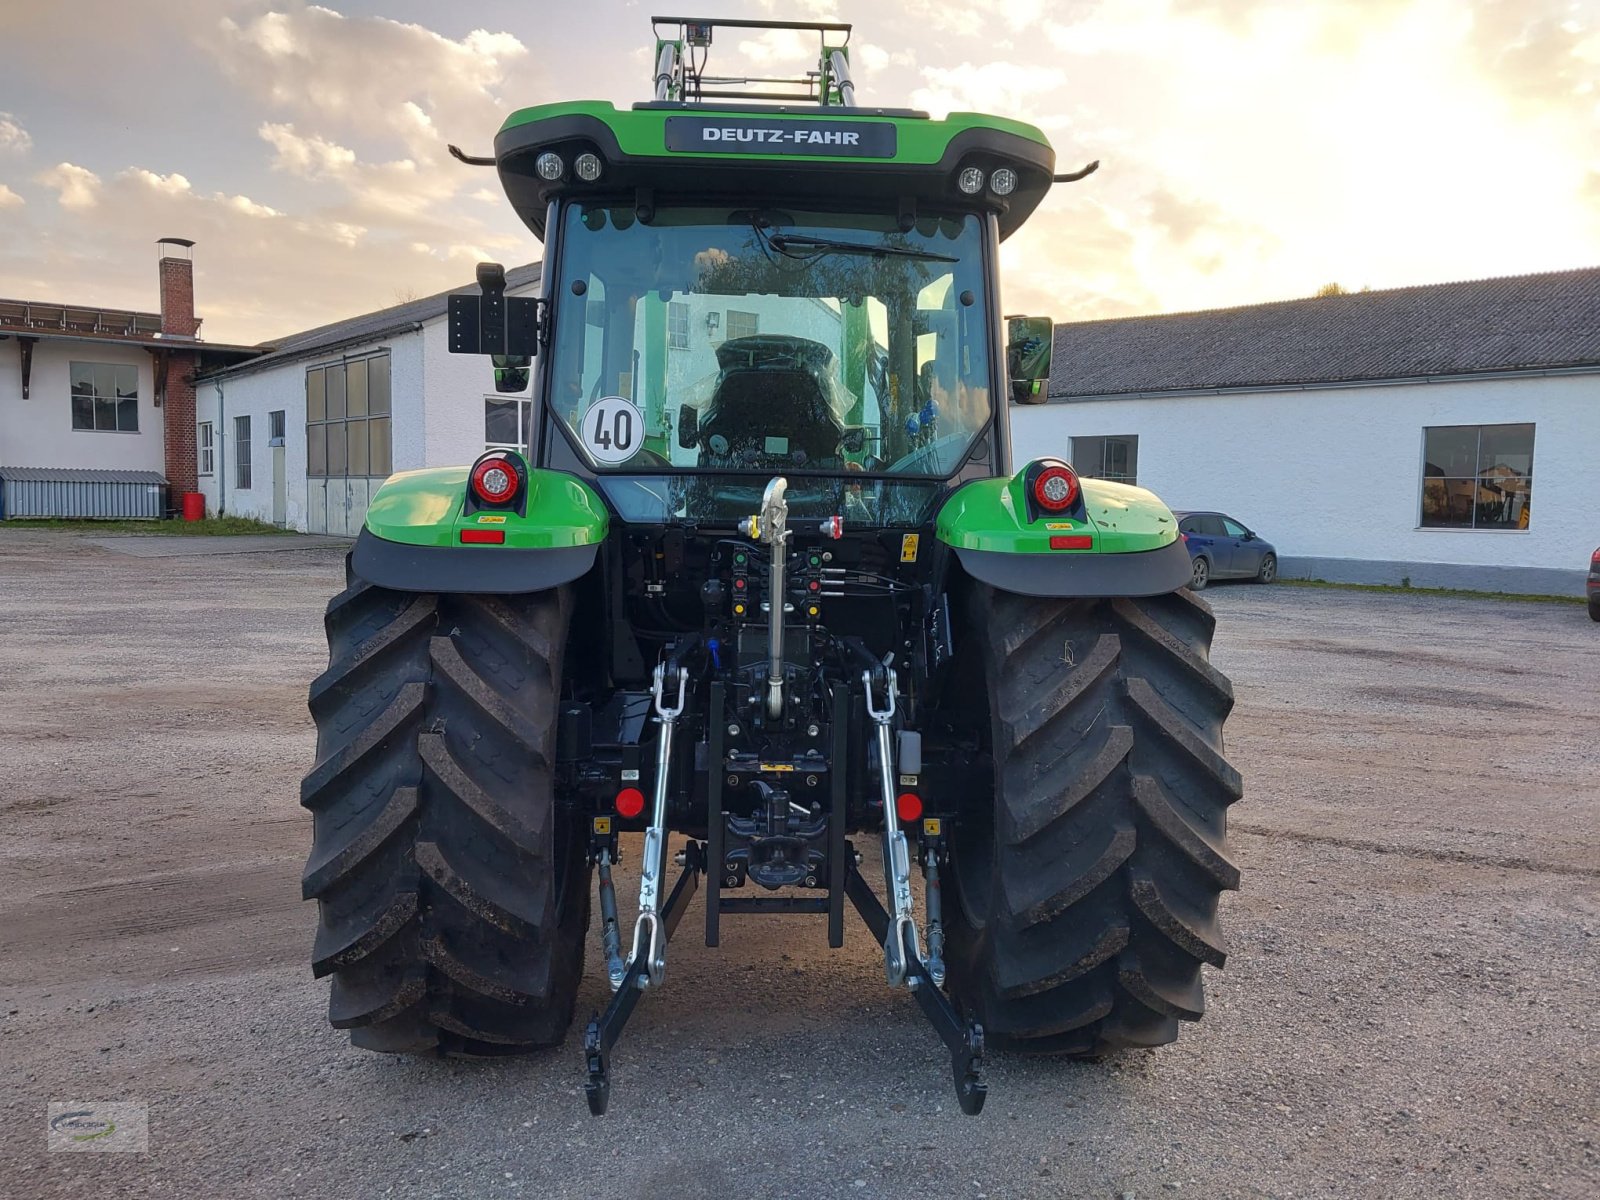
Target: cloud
[(373, 192), (9, 199), (260, 272), (1013, 89), (14, 138), (370, 75), (77, 188)]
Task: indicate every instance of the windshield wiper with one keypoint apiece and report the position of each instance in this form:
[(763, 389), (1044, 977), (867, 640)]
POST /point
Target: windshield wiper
[(785, 242)]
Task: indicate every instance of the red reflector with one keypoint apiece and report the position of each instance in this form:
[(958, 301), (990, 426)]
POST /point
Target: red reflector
[(1075, 542), (908, 806), (486, 537), (630, 802)]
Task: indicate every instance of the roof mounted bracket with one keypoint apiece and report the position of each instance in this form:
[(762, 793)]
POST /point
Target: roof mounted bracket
[(26, 344)]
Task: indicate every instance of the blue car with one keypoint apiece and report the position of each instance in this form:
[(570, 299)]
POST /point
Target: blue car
[(1222, 548)]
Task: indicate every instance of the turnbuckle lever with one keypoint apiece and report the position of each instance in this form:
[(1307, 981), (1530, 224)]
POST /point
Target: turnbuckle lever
[(900, 944), (610, 935), (932, 894), (647, 939)]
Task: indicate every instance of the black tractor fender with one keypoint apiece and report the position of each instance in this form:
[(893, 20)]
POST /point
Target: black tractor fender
[(1140, 573), (497, 570)]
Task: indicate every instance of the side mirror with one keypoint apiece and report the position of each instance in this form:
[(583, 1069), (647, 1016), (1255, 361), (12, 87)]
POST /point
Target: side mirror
[(1030, 342), (1249, 535), (688, 427), (511, 372)]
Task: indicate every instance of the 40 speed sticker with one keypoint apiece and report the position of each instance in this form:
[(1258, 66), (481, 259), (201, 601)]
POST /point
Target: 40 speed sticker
[(612, 430)]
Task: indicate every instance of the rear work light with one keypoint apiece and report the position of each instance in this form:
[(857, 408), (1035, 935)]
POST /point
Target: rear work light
[(494, 480), (1055, 489)]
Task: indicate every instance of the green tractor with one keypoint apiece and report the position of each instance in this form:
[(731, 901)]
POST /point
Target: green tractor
[(768, 578)]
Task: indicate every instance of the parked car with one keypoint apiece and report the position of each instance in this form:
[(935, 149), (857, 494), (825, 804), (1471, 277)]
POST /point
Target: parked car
[(1594, 585), (1222, 548)]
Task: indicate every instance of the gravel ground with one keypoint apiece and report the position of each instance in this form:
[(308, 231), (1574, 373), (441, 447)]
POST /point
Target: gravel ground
[(1408, 1007)]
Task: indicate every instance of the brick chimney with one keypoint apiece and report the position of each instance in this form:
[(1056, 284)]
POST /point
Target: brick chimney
[(178, 325), (177, 288)]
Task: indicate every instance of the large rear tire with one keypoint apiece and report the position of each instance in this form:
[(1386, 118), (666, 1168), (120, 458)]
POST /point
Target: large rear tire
[(452, 891), (1086, 901)]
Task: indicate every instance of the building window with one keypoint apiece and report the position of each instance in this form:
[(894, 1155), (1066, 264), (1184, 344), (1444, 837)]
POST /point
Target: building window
[(205, 445), (1477, 476), (677, 326), (742, 324), (1114, 458), (241, 453), (275, 428), (105, 397), (506, 422), (347, 419)]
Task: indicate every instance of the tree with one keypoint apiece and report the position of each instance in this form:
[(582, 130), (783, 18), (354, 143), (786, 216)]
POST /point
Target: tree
[(1333, 289)]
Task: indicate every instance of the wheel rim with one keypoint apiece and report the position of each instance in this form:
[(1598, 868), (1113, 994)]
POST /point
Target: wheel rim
[(1269, 569), (1201, 571)]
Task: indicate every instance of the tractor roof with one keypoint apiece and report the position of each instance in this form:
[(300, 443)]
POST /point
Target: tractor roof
[(668, 151)]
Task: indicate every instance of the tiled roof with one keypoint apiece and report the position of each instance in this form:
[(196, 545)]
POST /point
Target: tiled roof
[(373, 325), (1523, 322)]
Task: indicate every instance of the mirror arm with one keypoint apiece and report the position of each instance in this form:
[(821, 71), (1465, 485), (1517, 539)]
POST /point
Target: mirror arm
[(472, 160), (1074, 176)]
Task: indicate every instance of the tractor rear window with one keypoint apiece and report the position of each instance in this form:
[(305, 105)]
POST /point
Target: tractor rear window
[(744, 339)]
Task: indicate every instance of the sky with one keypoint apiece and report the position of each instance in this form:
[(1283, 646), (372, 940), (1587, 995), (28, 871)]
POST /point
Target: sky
[(1251, 150)]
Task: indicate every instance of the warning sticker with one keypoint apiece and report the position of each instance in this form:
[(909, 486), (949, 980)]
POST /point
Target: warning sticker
[(908, 547), (602, 825), (492, 519)]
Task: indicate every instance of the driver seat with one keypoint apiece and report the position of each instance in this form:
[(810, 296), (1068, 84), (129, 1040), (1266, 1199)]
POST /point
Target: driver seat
[(751, 405)]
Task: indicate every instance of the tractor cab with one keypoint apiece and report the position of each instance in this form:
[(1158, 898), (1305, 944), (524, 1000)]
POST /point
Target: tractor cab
[(806, 288)]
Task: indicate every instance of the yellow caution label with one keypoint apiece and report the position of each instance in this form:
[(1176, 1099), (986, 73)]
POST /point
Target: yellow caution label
[(908, 547), (1059, 525), (491, 518), (777, 766), (932, 826), (602, 825)]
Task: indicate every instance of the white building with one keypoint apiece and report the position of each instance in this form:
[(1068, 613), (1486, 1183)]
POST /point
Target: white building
[(97, 404), (1448, 435), (303, 435)]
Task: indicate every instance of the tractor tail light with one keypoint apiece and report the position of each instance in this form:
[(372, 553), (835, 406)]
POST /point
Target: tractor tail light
[(630, 802), (494, 480), (1055, 488), (908, 806)]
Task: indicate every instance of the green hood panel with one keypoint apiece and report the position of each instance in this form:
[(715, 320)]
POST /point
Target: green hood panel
[(426, 508), (992, 514)]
